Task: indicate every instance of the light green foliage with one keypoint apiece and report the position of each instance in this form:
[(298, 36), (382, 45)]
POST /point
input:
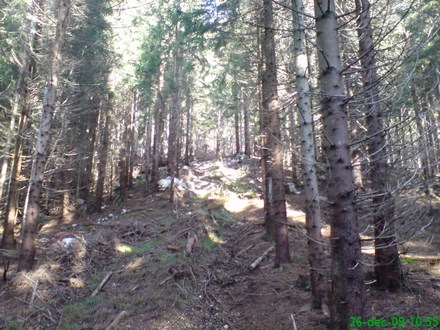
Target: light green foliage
[(81, 313), (422, 29), (409, 261), (169, 259), (69, 326), (91, 47), (144, 248), (223, 215), (14, 325), (208, 244), (186, 26)]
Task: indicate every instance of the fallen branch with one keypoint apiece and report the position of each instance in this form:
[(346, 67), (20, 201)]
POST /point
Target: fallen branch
[(166, 280), (34, 292), (293, 321), (101, 285), (245, 250), (175, 237), (257, 261), (116, 320), (135, 210)]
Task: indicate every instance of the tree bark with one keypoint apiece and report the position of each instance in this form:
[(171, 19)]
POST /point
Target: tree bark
[(21, 105), (273, 161), (347, 289), (132, 139), (87, 137), (28, 248), (387, 265), (147, 161), (262, 138), (434, 134), (123, 156), (236, 117), (423, 154), (173, 136), (188, 125), (159, 126), (318, 278), (292, 140), (219, 134), (105, 126), (247, 137)]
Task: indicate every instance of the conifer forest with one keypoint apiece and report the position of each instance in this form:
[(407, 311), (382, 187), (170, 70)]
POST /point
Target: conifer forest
[(215, 164)]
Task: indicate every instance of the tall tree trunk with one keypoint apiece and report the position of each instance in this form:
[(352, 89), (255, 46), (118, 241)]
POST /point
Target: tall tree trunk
[(88, 138), (273, 162), (262, 141), (123, 159), (387, 265), (423, 154), (159, 125), (435, 137), (318, 278), (236, 117), (188, 125), (132, 139), (173, 136), (147, 161), (247, 135), (102, 165), (28, 248), (21, 93), (347, 289), (21, 104), (291, 125), (218, 134)]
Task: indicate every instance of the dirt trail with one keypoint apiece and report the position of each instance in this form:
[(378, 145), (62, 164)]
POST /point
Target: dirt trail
[(186, 266)]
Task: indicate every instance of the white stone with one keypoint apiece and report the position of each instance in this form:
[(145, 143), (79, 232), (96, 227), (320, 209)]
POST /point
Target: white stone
[(69, 241), (163, 184)]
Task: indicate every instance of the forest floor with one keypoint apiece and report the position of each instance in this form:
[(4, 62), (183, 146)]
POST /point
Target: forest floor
[(186, 265)]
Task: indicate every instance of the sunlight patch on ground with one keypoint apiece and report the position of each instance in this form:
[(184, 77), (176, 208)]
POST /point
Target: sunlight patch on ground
[(238, 205), (76, 282), (436, 269), (48, 226), (295, 215), (123, 248), (174, 321), (135, 264), (213, 237)]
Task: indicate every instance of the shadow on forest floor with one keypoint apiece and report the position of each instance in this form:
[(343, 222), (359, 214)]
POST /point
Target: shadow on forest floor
[(186, 266)]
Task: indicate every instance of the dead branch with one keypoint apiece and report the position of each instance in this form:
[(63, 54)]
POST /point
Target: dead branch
[(175, 237), (101, 285), (293, 321), (34, 292), (116, 320), (166, 280), (245, 250), (257, 261)]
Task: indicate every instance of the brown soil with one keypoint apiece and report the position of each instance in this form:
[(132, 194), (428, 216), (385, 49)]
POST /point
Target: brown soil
[(158, 283)]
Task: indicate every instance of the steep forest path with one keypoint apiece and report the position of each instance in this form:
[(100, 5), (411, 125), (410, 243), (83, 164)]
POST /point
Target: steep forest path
[(186, 265)]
